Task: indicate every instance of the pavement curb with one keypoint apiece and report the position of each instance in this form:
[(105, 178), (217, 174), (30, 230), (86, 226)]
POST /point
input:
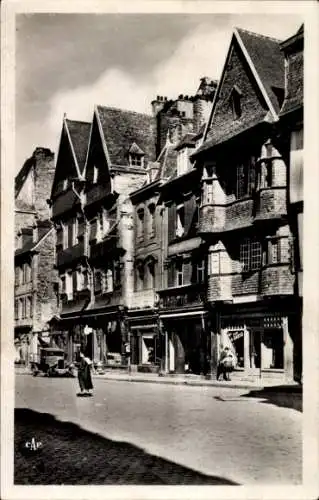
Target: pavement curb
[(195, 383)]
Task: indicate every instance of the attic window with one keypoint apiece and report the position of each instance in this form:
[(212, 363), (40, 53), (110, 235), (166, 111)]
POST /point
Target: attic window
[(136, 160), (95, 174), (235, 100)]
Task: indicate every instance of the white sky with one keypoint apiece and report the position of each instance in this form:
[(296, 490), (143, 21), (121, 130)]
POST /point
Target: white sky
[(70, 62)]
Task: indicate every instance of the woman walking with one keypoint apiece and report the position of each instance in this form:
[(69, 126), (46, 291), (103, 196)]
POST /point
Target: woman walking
[(84, 375)]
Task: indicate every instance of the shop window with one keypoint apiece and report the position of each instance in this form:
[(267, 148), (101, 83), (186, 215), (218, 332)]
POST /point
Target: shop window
[(272, 349), (179, 269), (250, 255), (140, 223), (180, 220)]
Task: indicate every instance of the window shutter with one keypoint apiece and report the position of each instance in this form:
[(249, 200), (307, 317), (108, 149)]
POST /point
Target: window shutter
[(190, 212), (171, 226)]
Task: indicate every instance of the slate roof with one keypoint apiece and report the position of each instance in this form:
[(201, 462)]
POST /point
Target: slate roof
[(168, 162), (186, 140), (293, 47), (23, 174), (30, 245), (79, 134), (122, 128), (268, 60)]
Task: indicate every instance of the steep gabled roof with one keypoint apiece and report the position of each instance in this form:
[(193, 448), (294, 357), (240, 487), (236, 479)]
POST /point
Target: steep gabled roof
[(79, 136), (268, 61), (121, 129), (22, 175), (31, 246), (167, 160)]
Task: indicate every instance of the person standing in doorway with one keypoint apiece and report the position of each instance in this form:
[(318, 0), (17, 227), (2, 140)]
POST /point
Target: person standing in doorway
[(84, 375), (226, 363)]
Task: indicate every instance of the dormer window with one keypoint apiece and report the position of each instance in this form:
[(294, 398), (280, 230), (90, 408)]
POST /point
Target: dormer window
[(136, 160), (235, 101), (136, 156)]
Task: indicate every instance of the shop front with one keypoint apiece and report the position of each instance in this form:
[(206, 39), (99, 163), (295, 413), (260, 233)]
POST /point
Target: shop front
[(186, 341), (146, 344), (262, 342)]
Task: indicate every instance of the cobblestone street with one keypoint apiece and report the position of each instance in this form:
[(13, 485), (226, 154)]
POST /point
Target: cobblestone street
[(147, 433)]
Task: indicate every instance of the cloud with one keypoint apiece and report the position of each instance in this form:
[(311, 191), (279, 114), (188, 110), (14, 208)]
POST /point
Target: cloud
[(201, 53)]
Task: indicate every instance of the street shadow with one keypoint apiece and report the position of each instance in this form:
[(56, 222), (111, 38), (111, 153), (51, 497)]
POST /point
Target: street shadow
[(64, 453), (284, 396)]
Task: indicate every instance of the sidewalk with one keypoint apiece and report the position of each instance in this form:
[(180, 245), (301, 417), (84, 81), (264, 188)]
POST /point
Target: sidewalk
[(197, 380)]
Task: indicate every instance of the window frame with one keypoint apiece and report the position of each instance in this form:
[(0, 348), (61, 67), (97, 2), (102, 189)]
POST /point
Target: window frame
[(136, 160), (140, 223), (179, 273), (250, 255), (200, 268)]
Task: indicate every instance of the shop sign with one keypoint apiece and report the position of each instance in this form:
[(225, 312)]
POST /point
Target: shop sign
[(235, 335), (87, 330)]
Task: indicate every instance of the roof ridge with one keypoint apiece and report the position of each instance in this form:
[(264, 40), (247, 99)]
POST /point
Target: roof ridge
[(260, 35), (113, 108)]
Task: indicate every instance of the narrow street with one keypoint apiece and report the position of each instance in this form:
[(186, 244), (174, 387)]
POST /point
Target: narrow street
[(216, 432)]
